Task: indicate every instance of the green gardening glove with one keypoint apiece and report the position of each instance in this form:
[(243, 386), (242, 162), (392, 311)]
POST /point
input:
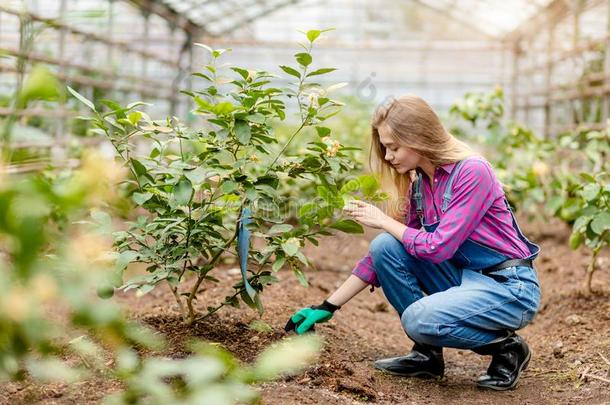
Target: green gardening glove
[(304, 320)]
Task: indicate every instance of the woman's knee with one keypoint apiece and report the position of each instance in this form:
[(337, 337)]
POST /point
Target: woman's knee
[(418, 322), (383, 245)]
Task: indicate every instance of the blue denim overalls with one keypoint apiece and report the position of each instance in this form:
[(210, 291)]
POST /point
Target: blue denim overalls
[(464, 308)]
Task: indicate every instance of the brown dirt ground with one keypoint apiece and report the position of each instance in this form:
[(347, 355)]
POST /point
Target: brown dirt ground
[(567, 336)]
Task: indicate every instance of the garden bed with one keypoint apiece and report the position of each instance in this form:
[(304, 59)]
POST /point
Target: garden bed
[(566, 337)]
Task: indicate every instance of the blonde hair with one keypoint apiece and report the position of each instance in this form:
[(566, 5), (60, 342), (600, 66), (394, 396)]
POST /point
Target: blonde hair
[(412, 123)]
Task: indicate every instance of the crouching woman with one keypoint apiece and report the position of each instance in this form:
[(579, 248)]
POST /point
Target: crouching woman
[(458, 270)]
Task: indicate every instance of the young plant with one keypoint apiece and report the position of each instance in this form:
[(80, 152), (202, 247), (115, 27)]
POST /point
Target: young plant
[(206, 189)]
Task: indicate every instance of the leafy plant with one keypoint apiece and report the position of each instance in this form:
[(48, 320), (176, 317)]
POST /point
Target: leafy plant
[(592, 224), (201, 186), (41, 269)]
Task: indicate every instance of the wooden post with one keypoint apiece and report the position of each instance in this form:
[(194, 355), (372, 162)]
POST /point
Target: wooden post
[(110, 45), (529, 83), (516, 53), (176, 81), (548, 107), (577, 113), (146, 40), (61, 131), (189, 80), (606, 68)]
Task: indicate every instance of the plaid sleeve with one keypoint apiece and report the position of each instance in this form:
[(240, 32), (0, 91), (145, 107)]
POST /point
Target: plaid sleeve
[(365, 271)]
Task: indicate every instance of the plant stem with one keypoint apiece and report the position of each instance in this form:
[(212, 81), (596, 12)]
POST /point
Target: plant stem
[(285, 146), (304, 120), (201, 277), (188, 238), (590, 270), (201, 318), (125, 159), (178, 300)]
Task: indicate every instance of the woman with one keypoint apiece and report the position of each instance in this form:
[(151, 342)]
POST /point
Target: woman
[(460, 272)]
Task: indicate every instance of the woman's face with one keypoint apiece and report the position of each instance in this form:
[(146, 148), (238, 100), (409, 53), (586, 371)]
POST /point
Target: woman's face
[(401, 157)]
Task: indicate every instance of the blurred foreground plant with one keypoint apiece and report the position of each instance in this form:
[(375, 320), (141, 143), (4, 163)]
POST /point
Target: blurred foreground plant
[(52, 262)]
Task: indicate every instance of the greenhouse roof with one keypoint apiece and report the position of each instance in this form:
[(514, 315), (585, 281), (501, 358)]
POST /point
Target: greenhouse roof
[(493, 18), (496, 18), (221, 17)]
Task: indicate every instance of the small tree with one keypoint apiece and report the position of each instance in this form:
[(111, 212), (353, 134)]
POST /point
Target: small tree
[(592, 224), (207, 189)]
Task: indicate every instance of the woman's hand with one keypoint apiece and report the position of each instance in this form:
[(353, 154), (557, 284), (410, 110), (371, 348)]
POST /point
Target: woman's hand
[(366, 214)]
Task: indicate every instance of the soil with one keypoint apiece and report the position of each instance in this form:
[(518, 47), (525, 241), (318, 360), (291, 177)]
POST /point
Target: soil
[(569, 335)]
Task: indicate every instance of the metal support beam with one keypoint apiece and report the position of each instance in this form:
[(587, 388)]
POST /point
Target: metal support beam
[(145, 42), (548, 107), (606, 81), (453, 16), (255, 16), (61, 130), (170, 15)]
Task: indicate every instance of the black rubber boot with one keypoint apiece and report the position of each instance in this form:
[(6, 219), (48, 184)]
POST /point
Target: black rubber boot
[(423, 361), (510, 356)]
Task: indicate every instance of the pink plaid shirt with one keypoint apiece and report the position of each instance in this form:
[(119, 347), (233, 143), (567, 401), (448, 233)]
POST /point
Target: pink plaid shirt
[(476, 211)]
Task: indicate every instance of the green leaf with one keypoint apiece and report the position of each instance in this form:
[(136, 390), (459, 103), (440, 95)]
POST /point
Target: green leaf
[(204, 46), (125, 258), (280, 228), (81, 98), (321, 72), (260, 326), (350, 186), (306, 208), (601, 222), (323, 131), (183, 191), (554, 204), (312, 35), (135, 117), (144, 289), (290, 71), (348, 226), (242, 72), (581, 223), (141, 198), (300, 276), (196, 176), (218, 52), (40, 84), (288, 357), (229, 186), (576, 239), (304, 59), (277, 265), (138, 167), (203, 105), (204, 76), (368, 184), (290, 249), (223, 108), (590, 191), (256, 118), (243, 132)]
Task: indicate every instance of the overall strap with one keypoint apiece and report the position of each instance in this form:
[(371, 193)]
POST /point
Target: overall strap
[(419, 199), (448, 192)]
